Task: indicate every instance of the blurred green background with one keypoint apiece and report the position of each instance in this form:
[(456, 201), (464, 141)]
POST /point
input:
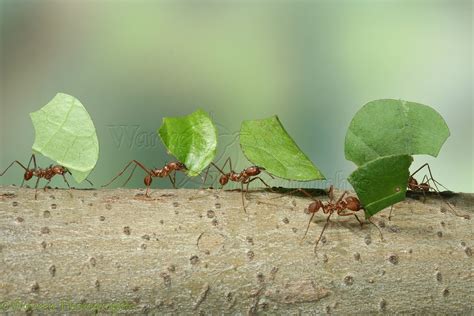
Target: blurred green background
[(314, 63)]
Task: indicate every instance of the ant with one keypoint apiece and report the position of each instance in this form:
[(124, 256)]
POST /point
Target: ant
[(344, 206), (425, 187), (246, 176), (169, 169), (39, 173)]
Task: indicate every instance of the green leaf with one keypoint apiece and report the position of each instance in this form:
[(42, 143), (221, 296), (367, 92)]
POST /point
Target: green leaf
[(381, 182), (394, 127), (66, 134), (192, 139), (267, 144)]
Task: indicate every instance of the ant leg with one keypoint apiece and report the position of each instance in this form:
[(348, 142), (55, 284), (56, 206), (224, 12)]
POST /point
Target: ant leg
[(129, 176), (204, 179), (342, 213), (380, 231), (28, 167), (390, 214), (331, 193), (342, 196), (36, 188), (173, 179), (67, 183), (322, 232), (307, 227), (125, 168), (13, 162), (264, 183), (242, 194)]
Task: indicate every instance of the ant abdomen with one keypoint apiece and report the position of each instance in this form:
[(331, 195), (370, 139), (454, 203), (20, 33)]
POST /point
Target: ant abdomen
[(353, 204), (253, 171)]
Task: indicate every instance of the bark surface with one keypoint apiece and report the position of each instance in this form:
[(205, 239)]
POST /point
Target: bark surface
[(196, 251)]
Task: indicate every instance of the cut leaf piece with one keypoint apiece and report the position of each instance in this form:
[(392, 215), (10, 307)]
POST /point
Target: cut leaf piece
[(267, 144), (66, 134), (394, 127), (192, 139), (381, 182)]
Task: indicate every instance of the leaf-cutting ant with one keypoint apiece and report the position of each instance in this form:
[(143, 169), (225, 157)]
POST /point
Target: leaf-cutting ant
[(169, 170), (40, 173), (245, 177), (425, 187), (344, 206)]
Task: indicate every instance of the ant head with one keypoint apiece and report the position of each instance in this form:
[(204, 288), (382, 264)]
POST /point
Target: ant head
[(353, 204), (224, 179), (147, 180), (253, 171), (412, 181), (315, 206), (176, 165), (28, 175)]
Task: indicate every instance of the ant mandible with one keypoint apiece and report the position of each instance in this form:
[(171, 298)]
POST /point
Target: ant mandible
[(169, 170), (245, 177), (425, 187), (39, 173)]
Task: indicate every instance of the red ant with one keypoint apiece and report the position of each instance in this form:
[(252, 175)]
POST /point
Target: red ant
[(168, 170), (39, 173), (246, 176), (425, 187), (349, 203)]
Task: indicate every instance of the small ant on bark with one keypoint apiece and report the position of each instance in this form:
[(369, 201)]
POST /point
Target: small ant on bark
[(344, 206), (425, 187), (39, 173), (169, 170), (245, 177)]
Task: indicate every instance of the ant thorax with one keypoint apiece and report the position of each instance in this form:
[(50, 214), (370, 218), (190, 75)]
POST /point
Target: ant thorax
[(236, 177)]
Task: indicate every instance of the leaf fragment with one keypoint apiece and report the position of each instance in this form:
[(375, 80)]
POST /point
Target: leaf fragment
[(381, 182), (65, 133), (192, 139), (394, 127), (267, 144)]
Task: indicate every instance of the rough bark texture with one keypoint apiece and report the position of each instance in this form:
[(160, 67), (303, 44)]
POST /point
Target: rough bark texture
[(190, 251)]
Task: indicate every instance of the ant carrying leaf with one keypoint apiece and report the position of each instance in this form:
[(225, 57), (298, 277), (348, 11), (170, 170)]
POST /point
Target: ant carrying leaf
[(41, 173), (345, 205), (424, 187)]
